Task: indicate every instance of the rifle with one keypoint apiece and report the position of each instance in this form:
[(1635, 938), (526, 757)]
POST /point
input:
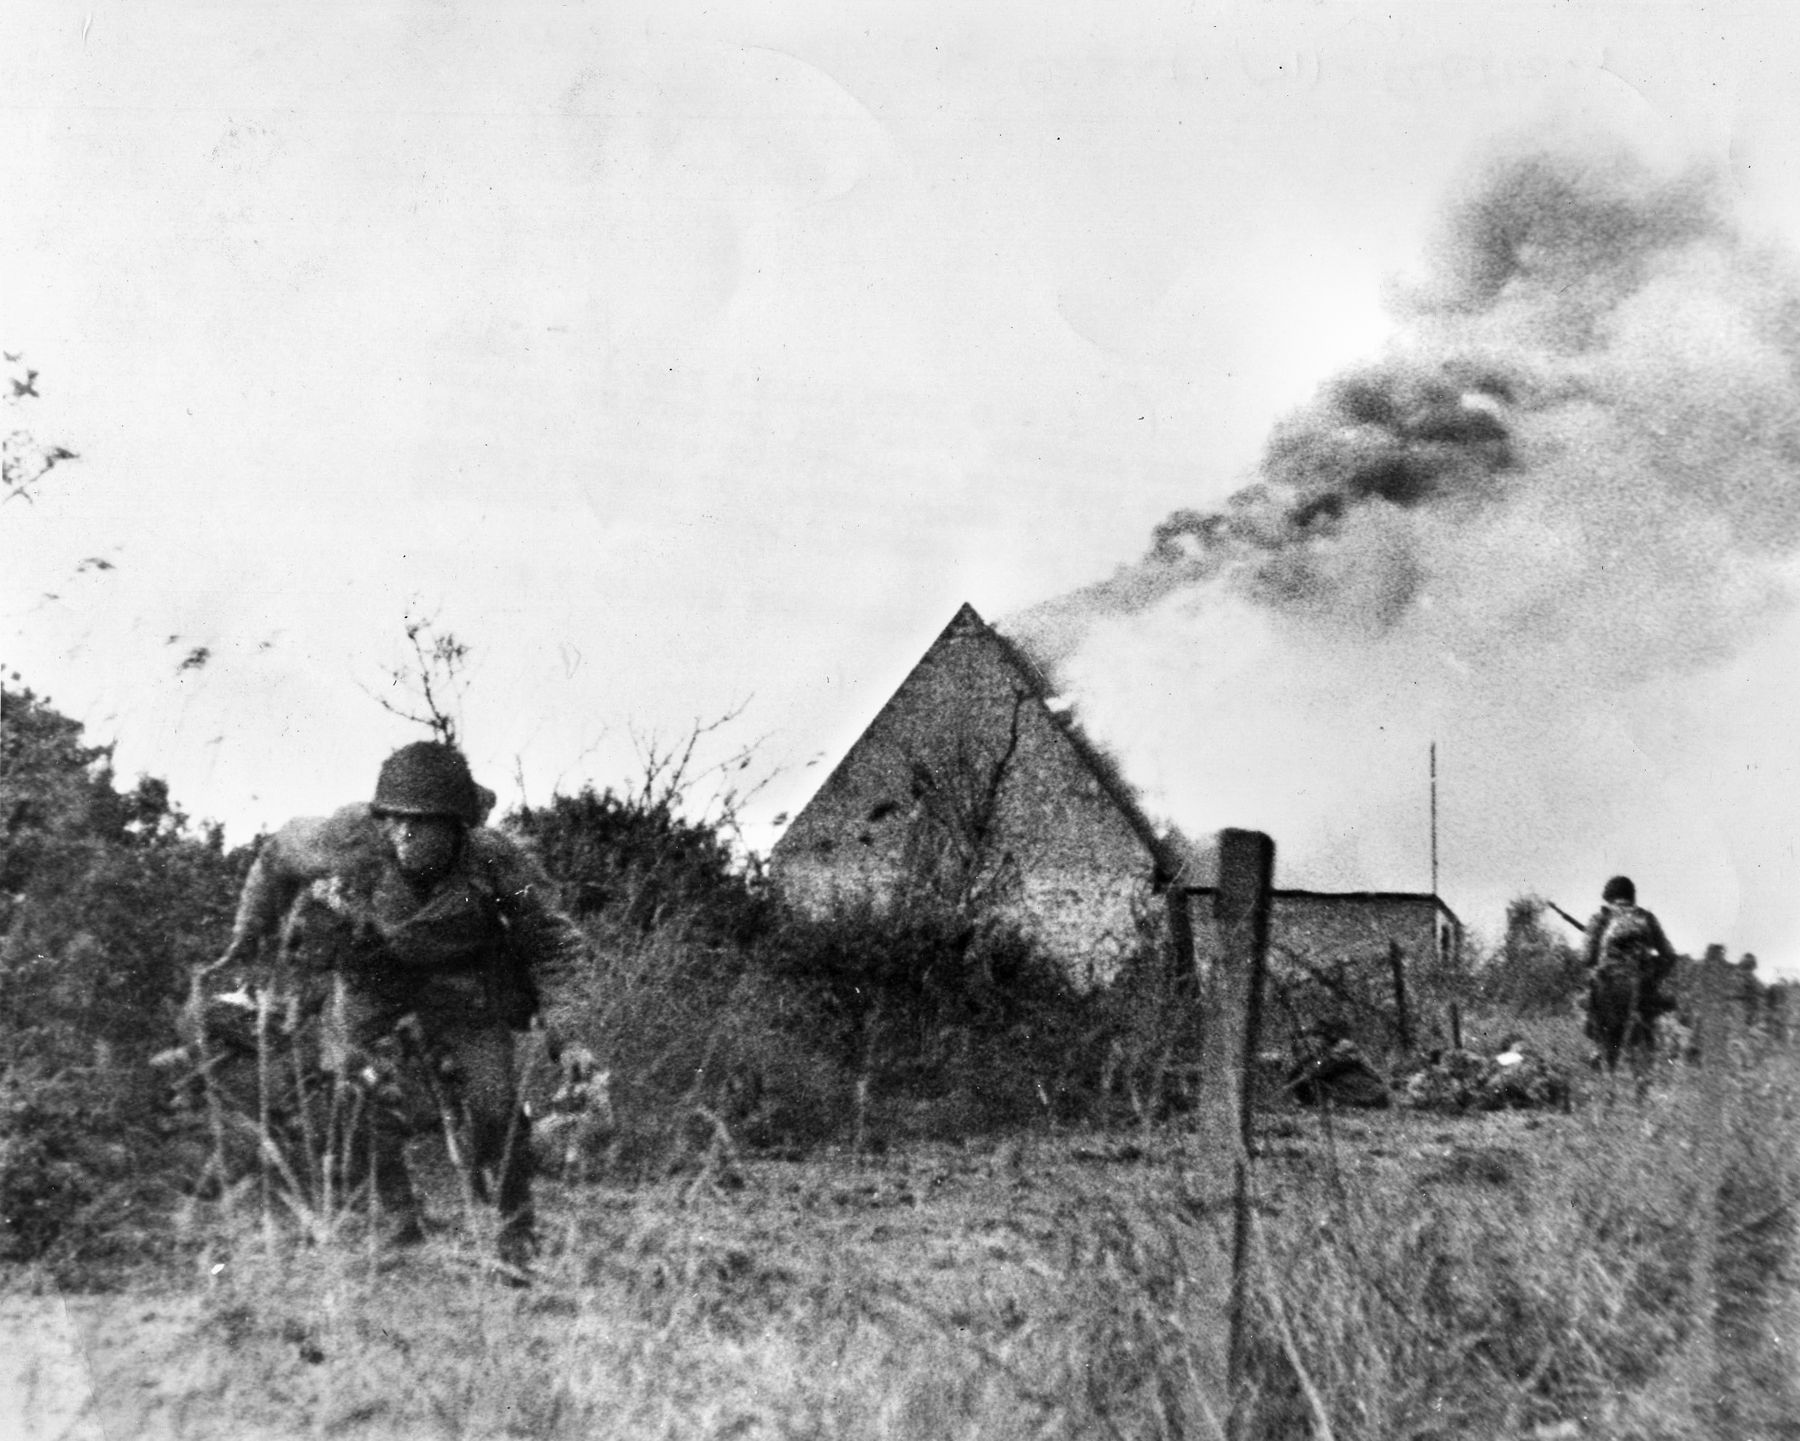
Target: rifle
[(1579, 925)]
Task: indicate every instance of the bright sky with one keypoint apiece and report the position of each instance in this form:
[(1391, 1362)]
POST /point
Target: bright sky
[(677, 361)]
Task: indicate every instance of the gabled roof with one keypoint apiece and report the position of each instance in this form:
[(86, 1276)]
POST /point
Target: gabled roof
[(1175, 857), (1173, 852)]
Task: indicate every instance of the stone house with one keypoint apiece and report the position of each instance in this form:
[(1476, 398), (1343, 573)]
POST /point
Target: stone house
[(972, 783)]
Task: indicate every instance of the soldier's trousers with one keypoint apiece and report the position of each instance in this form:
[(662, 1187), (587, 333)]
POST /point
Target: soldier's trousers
[(1622, 1018), (423, 1059)]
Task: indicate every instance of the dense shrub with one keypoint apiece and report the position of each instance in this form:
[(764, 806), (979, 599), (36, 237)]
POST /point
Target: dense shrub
[(704, 1054), (899, 976), (1536, 971), (89, 1172), (636, 860), (929, 1005), (707, 999), (108, 899)]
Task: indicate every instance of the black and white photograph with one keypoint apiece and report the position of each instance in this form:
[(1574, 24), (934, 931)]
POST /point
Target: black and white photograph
[(889, 722)]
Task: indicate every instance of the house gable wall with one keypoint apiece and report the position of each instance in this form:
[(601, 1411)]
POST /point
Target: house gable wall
[(1078, 869)]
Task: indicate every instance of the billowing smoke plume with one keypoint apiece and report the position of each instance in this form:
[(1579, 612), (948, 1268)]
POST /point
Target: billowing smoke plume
[(1565, 501)]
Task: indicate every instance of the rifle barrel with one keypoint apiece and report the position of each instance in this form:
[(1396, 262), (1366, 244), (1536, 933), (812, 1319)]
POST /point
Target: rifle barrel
[(1579, 925)]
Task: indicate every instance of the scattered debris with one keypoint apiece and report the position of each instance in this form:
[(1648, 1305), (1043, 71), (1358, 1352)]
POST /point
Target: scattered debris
[(1330, 1069), (1516, 1079), (1326, 1067)]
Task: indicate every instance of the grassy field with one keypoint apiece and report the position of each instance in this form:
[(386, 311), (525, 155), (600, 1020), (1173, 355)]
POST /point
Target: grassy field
[(1527, 1275)]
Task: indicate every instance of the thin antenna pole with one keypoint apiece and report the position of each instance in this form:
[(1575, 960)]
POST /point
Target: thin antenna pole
[(1434, 863)]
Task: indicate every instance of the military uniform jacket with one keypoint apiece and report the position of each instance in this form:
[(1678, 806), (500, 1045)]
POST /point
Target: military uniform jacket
[(480, 943)]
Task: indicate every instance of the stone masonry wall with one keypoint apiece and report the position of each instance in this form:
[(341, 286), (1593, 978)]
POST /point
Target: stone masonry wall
[(1058, 852), (1357, 926)]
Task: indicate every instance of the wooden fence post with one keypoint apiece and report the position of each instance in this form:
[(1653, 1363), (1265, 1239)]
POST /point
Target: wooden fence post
[(1234, 1024), (1402, 1017), (1181, 938)]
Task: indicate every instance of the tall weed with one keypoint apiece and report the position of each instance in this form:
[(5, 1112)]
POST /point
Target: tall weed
[(1535, 1286)]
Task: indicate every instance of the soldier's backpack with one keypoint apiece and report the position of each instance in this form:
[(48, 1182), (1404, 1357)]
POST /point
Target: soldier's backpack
[(1628, 940), (1628, 946)]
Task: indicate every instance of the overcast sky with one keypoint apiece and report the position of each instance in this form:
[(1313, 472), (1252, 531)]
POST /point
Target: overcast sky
[(678, 362)]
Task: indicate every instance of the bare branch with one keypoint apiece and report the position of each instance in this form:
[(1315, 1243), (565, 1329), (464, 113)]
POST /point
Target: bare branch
[(951, 846), (671, 775), (432, 683)]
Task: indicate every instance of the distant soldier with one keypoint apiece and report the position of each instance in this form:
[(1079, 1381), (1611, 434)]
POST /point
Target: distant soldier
[(433, 933), (1629, 963)]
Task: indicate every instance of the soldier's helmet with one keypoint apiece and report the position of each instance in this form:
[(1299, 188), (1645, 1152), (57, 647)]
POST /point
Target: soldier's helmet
[(429, 778), (1620, 888)]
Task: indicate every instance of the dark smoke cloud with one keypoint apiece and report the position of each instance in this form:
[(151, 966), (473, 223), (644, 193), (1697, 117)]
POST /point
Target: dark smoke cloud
[(1552, 529), (1596, 348), (1581, 231)]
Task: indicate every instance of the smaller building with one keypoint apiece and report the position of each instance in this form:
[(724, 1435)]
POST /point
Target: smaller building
[(1363, 960), (1361, 925)]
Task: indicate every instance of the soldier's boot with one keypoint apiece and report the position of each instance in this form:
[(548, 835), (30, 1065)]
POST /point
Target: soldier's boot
[(517, 1244), (376, 1160), (503, 1144)]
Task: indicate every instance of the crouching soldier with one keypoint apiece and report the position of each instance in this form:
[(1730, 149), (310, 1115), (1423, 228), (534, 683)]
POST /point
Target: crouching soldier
[(428, 937)]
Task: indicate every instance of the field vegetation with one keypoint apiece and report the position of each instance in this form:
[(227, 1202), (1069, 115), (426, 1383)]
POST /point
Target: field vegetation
[(872, 1175)]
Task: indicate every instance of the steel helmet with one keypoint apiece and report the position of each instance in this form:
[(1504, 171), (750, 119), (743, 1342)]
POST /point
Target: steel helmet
[(429, 778), (1620, 888)]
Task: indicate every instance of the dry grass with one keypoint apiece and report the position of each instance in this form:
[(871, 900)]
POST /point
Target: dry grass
[(1513, 1276), (1546, 1280)]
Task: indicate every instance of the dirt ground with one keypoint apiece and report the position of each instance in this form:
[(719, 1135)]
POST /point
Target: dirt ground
[(960, 1240)]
